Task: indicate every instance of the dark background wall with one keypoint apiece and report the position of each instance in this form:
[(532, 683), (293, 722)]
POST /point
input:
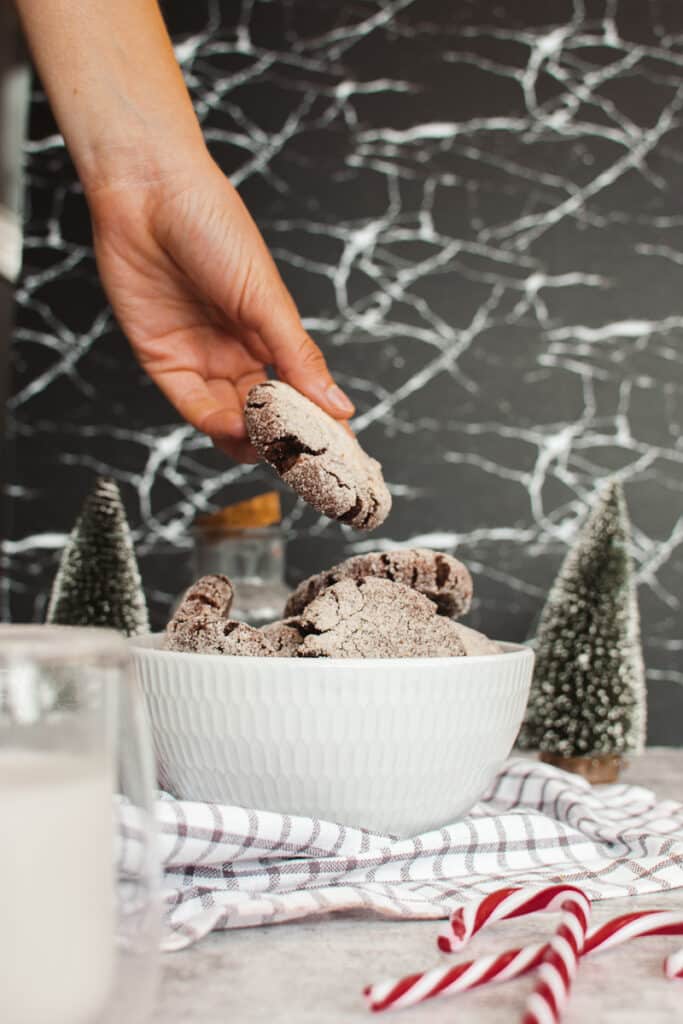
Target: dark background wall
[(478, 207)]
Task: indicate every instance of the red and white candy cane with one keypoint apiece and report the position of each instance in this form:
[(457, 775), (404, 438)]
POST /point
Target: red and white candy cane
[(637, 926), (560, 960), (673, 965), (561, 957), (469, 919), (441, 981), (447, 981)]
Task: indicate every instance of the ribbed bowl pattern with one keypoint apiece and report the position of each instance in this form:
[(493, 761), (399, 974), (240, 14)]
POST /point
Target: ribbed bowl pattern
[(397, 746)]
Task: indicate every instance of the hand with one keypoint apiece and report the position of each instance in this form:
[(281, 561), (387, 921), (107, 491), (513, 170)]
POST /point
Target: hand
[(185, 268), (200, 299)]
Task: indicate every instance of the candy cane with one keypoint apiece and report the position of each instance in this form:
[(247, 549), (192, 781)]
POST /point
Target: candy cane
[(560, 961), (636, 926), (561, 957), (445, 981), (466, 921), (441, 981), (673, 965)]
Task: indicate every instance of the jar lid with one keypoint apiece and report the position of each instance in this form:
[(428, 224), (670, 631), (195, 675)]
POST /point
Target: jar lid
[(262, 510)]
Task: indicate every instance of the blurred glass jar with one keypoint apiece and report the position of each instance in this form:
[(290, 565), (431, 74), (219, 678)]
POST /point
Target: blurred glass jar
[(245, 542)]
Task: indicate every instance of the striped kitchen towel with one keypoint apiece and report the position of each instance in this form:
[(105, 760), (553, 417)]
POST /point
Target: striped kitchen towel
[(231, 867)]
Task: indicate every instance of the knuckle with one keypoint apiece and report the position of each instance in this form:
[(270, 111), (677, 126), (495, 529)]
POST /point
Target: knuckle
[(308, 355), (250, 298)]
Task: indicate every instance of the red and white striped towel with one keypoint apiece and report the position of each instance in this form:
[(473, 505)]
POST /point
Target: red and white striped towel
[(230, 867)]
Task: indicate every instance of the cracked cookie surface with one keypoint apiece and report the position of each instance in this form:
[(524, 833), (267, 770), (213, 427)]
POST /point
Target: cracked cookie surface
[(316, 456), (201, 624), (476, 643), (376, 618), (286, 636), (441, 578)]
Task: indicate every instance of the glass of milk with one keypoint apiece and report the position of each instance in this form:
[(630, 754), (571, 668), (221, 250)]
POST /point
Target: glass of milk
[(79, 874)]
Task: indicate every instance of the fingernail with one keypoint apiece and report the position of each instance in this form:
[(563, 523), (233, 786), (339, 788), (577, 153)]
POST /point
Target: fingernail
[(338, 400)]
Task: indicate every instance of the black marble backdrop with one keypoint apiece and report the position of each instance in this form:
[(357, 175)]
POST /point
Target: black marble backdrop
[(479, 209)]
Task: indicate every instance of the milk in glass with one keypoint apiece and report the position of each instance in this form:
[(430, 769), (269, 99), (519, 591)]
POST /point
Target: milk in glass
[(56, 887)]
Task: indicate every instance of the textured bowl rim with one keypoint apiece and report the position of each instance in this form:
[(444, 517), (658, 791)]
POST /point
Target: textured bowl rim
[(148, 642)]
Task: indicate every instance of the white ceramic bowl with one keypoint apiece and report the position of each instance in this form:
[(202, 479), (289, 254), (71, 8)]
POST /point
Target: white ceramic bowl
[(397, 746)]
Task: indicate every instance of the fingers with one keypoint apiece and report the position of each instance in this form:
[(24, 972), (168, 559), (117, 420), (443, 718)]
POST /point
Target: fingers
[(214, 407), (206, 374), (238, 448), (224, 255), (282, 341), (266, 315), (299, 362), (245, 383), (216, 415), (302, 366), (239, 451), (253, 344)]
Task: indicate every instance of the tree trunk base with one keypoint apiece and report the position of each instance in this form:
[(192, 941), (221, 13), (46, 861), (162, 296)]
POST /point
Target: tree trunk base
[(598, 769)]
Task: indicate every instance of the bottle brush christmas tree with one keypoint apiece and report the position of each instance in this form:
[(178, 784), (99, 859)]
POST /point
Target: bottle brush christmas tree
[(587, 703), (98, 582)]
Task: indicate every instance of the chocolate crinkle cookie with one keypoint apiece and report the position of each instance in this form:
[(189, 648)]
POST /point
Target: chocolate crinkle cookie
[(476, 643), (203, 634), (355, 616), (201, 624), (441, 578), (376, 618), (316, 456), (212, 594), (285, 635)]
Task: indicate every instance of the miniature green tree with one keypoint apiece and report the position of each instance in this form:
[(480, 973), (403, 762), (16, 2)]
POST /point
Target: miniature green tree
[(587, 703), (98, 582)]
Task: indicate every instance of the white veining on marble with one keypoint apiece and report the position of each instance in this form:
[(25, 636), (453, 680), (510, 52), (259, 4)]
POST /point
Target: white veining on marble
[(546, 207)]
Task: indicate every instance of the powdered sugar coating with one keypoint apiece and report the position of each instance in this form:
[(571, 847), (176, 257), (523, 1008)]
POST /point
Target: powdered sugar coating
[(441, 578), (285, 635), (316, 456), (213, 592), (376, 618), (204, 634), (201, 625), (356, 616), (476, 643)]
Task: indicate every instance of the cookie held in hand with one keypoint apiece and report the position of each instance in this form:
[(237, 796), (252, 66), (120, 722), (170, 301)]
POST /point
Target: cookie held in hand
[(316, 456), (376, 618), (441, 578)]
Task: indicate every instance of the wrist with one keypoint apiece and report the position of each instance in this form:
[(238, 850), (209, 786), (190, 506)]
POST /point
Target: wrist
[(115, 87), (139, 160)]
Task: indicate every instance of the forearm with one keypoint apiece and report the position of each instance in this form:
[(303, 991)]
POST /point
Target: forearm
[(185, 268), (114, 85)]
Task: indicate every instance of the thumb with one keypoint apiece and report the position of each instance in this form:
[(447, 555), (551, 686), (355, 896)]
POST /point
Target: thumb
[(264, 306), (300, 363), (296, 357)]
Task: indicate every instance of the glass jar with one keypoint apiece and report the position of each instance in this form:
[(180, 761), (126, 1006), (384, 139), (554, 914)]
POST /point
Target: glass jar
[(253, 559)]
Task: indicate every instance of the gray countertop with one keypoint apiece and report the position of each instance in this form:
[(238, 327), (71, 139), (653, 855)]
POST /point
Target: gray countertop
[(315, 970)]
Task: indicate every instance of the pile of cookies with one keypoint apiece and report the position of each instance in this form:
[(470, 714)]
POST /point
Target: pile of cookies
[(390, 604), (386, 604)]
